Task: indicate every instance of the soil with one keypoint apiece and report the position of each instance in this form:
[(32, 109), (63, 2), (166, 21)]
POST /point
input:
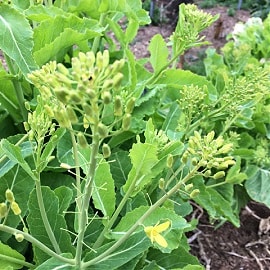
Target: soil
[(226, 247)]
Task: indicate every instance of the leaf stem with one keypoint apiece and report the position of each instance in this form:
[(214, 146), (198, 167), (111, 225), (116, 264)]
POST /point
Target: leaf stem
[(96, 41), (152, 208), (36, 243), (17, 87)]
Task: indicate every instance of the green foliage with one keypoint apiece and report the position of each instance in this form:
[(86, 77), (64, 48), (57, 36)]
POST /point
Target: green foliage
[(111, 153)]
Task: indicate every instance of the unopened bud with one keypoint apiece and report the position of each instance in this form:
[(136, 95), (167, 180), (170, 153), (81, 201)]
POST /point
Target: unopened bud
[(107, 97), (27, 106), (194, 161), (91, 93), (72, 115), (188, 187), (219, 175), (3, 210), (225, 148), (49, 110), (169, 161), (130, 105), (209, 137), (15, 208), (194, 193), (106, 58), (106, 150), (62, 69), (207, 173), (161, 183), (19, 237), (26, 126), (118, 106), (99, 60), (65, 166), (126, 121), (102, 130), (9, 195), (61, 94), (117, 79), (224, 165), (82, 140), (184, 158)]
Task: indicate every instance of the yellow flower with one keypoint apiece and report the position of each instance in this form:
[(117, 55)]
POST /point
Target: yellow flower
[(153, 232)]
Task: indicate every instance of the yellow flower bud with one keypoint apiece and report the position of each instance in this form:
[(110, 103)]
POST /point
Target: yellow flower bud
[(126, 121), (82, 140), (15, 208), (130, 105), (3, 210), (71, 115), (102, 130), (219, 175), (106, 150), (188, 187), (194, 193), (117, 79), (169, 161), (161, 183), (9, 196), (107, 97), (118, 106), (19, 237)]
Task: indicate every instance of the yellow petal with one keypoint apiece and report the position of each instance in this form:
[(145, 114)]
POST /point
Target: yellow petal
[(161, 240), (162, 227), (149, 232)]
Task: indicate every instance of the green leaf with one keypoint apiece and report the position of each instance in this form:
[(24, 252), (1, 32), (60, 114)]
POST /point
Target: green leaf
[(16, 38), (14, 153), (177, 259), (8, 97), (172, 119), (56, 220), (22, 184), (233, 175), (158, 53), (103, 189), (172, 235), (135, 245), (64, 195), (54, 264), (217, 205), (143, 158), (174, 79), (54, 36), (257, 184), (8, 252)]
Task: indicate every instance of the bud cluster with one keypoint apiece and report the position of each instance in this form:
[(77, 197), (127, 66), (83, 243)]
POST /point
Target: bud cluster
[(209, 154), (84, 91)]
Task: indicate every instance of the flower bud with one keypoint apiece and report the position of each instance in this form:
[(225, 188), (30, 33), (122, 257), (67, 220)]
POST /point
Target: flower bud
[(65, 166), (107, 97), (102, 130), (49, 110), (27, 106), (62, 69), (209, 137), (19, 237), (117, 79), (194, 193), (61, 94), (169, 161), (126, 121), (91, 93), (106, 58), (9, 195), (71, 115), (118, 106), (184, 158), (207, 173), (219, 175), (3, 210), (225, 148), (26, 126), (75, 97), (130, 105), (194, 161), (161, 183), (188, 187), (15, 208), (82, 140), (106, 150)]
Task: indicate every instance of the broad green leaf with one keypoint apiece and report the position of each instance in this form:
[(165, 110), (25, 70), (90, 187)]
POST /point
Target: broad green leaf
[(134, 10), (56, 220), (55, 36), (14, 153), (8, 98), (120, 166), (103, 189), (257, 184), (40, 13), (64, 195), (143, 158), (21, 184), (158, 53), (177, 259), (16, 38), (172, 119), (55, 264), (111, 5), (160, 215), (8, 252), (233, 175), (214, 202), (174, 79), (135, 245), (132, 30), (7, 164)]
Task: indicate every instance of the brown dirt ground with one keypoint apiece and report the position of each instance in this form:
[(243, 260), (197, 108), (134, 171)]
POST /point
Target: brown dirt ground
[(225, 248)]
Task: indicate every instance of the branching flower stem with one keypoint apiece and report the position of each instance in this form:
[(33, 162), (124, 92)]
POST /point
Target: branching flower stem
[(140, 221), (83, 218), (36, 243)]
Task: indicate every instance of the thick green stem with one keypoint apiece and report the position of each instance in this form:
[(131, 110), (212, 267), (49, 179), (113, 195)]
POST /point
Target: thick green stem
[(45, 220), (86, 197), (78, 176), (36, 243), (140, 220)]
